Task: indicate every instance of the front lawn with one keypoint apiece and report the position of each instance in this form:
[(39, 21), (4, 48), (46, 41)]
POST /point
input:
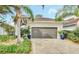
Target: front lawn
[(4, 38)]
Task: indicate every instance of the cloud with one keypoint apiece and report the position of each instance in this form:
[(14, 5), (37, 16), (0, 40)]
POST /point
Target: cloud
[(52, 11)]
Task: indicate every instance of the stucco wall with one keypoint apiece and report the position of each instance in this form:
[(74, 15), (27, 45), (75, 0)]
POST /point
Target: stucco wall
[(46, 24)]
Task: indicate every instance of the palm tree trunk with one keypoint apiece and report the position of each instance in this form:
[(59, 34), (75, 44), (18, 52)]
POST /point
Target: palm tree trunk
[(17, 25), (18, 31)]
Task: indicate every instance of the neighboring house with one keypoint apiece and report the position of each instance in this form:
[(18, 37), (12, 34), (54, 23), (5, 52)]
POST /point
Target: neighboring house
[(2, 31), (71, 24)]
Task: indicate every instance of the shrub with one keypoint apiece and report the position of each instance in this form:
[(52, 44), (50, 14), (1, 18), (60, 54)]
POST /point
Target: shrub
[(65, 32), (25, 31), (24, 47), (8, 49), (71, 35), (74, 35), (11, 49), (76, 32)]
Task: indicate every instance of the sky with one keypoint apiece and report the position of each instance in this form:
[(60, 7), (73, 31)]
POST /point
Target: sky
[(49, 11)]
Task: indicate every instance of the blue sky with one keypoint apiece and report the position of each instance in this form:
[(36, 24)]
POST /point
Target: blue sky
[(49, 10)]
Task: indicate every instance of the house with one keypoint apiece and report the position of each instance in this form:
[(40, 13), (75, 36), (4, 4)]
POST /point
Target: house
[(71, 23), (44, 27), (48, 28)]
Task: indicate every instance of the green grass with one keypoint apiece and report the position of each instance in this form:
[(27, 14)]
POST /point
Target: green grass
[(6, 38), (24, 47)]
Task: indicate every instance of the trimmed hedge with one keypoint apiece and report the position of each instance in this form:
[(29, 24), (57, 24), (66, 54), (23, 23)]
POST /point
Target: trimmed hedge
[(24, 47)]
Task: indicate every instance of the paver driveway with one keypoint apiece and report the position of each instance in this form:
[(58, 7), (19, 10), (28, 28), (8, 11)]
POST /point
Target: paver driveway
[(53, 46)]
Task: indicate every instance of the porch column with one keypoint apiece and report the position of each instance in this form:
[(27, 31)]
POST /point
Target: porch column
[(60, 27)]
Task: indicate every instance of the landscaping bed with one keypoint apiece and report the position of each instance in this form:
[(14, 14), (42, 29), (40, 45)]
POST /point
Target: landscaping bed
[(8, 45), (24, 47), (72, 35)]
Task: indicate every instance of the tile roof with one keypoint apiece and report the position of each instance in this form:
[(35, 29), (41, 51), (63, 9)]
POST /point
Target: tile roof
[(43, 19), (70, 21)]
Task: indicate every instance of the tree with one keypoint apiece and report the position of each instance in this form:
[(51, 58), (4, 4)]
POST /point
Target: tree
[(17, 19), (17, 9), (67, 10), (4, 9)]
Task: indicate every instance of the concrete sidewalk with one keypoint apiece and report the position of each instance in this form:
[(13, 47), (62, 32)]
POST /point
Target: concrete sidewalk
[(54, 46)]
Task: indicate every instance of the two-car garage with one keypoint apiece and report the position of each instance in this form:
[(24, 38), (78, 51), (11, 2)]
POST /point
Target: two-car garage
[(44, 32)]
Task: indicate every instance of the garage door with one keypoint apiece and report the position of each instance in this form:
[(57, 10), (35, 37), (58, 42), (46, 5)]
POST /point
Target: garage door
[(44, 32)]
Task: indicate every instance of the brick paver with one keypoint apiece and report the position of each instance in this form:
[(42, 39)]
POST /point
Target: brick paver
[(54, 46)]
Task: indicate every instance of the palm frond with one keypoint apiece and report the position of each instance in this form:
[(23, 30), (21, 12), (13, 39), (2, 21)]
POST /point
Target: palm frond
[(29, 12), (76, 12), (4, 9), (67, 10)]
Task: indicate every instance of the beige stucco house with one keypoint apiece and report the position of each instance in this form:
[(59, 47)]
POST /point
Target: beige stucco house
[(44, 28), (48, 28)]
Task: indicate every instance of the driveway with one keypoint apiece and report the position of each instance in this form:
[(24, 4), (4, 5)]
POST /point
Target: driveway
[(54, 46)]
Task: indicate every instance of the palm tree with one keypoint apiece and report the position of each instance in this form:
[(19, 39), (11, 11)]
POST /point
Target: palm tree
[(17, 20), (67, 10), (18, 12), (5, 9)]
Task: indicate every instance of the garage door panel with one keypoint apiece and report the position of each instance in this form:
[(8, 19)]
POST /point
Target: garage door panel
[(44, 32)]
